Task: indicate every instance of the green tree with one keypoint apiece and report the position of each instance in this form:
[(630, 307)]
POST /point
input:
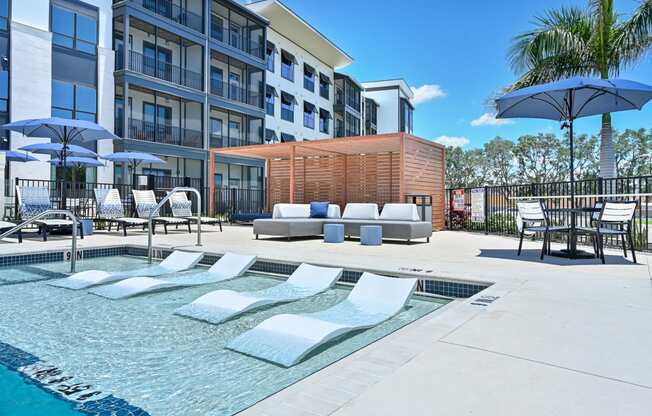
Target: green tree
[(539, 158), (465, 168), (499, 161), (594, 41), (632, 152)]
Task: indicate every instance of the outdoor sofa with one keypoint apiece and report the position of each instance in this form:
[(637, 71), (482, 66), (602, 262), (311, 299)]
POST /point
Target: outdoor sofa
[(399, 221)]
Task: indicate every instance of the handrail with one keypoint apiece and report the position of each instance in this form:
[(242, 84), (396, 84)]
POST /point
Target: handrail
[(160, 205), (67, 213)]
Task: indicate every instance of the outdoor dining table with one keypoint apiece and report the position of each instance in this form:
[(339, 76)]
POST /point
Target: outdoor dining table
[(572, 252)]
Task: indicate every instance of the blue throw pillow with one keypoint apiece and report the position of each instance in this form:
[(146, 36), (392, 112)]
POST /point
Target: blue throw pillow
[(319, 209)]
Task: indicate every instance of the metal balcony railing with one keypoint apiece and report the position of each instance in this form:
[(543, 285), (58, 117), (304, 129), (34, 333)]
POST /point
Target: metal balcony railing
[(236, 38), (237, 93), (160, 69), (175, 13), (219, 141), (162, 133)]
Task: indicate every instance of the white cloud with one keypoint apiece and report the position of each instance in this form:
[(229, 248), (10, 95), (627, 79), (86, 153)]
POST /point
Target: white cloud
[(427, 92), (454, 141), (489, 119)]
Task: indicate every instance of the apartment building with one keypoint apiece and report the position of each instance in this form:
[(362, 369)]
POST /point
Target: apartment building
[(388, 107), (56, 60), (301, 65), (177, 78)]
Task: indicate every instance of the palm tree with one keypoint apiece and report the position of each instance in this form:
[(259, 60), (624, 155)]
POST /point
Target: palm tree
[(594, 41)]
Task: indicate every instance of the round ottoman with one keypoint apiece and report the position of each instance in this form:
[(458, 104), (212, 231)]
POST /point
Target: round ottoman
[(371, 235), (333, 233)]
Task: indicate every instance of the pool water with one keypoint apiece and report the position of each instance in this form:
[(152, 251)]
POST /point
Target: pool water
[(138, 350), (20, 397)]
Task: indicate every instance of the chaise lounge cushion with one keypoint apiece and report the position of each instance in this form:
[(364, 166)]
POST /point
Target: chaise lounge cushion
[(400, 212), (360, 212)]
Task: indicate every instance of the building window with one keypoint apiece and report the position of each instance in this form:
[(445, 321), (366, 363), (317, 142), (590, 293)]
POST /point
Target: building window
[(287, 65), (287, 107), (324, 120), (406, 122), (217, 138), (270, 94), (308, 78), (352, 125), (270, 136), (74, 101), (74, 30), (308, 115), (270, 56), (4, 15), (217, 28), (217, 81), (285, 137), (324, 86)]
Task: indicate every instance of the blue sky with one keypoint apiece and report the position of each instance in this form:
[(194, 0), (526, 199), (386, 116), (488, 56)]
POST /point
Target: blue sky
[(458, 50)]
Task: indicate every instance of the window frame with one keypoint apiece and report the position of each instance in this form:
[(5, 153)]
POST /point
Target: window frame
[(74, 110), (75, 39), (287, 112), (309, 116), (288, 73)]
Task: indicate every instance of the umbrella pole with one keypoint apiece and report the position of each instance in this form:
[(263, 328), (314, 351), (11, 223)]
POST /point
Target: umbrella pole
[(64, 142)]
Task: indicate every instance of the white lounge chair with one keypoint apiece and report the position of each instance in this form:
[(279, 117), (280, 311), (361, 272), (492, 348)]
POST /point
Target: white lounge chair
[(146, 202), (285, 339), (182, 208), (175, 262), (220, 305), (34, 200), (110, 209), (229, 266)]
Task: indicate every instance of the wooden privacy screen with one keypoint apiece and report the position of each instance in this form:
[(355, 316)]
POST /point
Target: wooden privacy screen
[(381, 169)]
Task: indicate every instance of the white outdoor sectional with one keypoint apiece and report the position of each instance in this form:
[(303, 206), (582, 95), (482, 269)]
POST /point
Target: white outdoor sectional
[(399, 221)]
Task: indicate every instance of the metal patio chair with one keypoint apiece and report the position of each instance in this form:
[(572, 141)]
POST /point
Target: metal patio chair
[(534, 218)]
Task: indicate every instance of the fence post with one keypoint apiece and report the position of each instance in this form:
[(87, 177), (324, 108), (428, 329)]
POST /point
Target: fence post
[(486, 211)]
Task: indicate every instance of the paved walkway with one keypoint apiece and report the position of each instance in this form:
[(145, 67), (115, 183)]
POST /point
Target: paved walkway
[(563, 337)]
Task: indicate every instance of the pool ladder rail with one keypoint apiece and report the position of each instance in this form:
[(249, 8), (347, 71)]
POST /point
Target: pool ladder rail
[(160, 205), (67, 213)]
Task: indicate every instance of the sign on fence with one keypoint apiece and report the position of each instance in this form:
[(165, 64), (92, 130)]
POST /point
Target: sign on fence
[(457, 201), (477, 205)]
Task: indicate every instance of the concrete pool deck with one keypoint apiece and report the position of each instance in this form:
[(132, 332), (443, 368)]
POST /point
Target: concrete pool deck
[(563, 337)]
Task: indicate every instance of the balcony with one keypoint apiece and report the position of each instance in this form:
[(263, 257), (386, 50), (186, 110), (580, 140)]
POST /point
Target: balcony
[(175, 13), (218, 141), (163, 70), (236, 93), (161, 133), (236, 38)]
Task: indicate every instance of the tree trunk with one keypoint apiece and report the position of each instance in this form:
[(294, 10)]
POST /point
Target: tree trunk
[(607, 154)]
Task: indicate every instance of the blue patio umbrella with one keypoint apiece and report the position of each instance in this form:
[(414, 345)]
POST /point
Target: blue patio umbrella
[(61, 130), (56, 149), (14, 156), (572, 98), (77, 162), (133, 159)]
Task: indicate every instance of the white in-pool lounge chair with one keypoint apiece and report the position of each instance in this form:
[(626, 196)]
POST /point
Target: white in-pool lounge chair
[(285, 339), (110, 209), (182, 208), (229, 266), (176, 262), (146, 202), (220, 305), (34, 200)]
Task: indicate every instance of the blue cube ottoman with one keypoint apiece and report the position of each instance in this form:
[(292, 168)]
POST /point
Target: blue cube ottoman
[(333, 233), (371, 235)]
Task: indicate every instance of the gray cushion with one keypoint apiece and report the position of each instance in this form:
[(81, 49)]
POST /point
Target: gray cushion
[(289, 227)]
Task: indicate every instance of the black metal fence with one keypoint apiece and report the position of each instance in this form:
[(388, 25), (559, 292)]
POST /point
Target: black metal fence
[(80, 196), (230, 201), (499, 214)]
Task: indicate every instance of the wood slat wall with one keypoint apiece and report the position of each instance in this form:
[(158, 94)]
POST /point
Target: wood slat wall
[(369, 177), (424, 171)]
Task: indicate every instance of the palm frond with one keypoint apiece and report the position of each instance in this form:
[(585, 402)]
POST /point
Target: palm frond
[(633, 37), (558, 32)]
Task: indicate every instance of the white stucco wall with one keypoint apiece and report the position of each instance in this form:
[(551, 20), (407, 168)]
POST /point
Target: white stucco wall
[(388, 109), (30, 86), (296, 88)]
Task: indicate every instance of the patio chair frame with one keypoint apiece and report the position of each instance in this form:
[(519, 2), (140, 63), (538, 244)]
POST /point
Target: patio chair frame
[(546, 228), (625, 230)]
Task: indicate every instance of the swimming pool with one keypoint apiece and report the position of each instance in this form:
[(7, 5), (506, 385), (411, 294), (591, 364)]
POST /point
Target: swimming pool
[(137, 350)]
